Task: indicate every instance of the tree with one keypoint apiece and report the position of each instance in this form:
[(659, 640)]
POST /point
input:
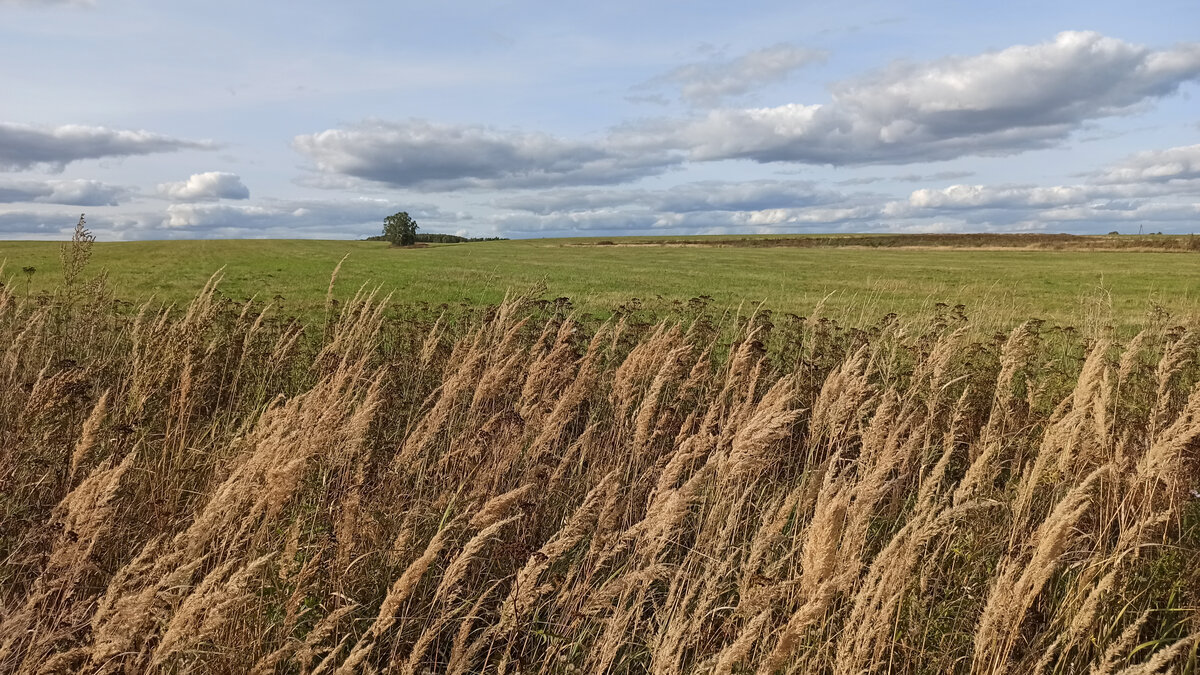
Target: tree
[(400, 229)]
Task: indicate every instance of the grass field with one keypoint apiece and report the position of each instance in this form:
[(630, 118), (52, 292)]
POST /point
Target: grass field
[(218, 488), (1000, 288)]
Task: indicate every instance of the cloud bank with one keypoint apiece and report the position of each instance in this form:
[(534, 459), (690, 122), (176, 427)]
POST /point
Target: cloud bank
[(997, 103), (24, 147), (1152, 189), (428, 156), (1156, 166), (70, 192)]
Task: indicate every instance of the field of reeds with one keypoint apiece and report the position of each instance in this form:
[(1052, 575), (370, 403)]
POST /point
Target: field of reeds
[(213, 488)]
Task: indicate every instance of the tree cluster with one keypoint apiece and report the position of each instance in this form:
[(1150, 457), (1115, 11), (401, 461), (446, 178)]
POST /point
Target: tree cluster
[(400, 229)]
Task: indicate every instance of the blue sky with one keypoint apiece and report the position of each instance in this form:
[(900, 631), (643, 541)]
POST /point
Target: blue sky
[(529, 119)]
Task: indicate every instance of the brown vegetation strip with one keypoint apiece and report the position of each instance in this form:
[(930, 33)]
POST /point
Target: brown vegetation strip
[(1027, 241)]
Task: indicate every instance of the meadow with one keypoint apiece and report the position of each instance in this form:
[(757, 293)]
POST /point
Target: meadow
[(222, 487), (999, 287)]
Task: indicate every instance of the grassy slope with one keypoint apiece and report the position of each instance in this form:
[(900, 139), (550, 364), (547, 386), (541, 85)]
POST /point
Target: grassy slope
[(1001, 287)]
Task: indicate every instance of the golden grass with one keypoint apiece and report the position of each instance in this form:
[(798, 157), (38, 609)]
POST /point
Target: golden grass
[(213, 490)]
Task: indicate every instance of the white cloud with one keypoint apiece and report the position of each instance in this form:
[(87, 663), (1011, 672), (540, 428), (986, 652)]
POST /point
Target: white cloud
[(1160, 188), (71, 192), (705, 84), (24, 147), (209, 186), (982, 196), (1126, 187), (1023, 97), (996, 103), (428, 156), (1182, 163)]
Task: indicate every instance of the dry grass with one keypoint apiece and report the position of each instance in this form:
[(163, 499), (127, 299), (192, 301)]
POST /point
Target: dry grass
[(213, 489)]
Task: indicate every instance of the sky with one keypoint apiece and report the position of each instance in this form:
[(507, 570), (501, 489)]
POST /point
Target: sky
[(305, 119)]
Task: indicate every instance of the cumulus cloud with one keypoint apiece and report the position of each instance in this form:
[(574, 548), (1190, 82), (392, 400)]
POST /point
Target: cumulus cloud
[(1023, 97), (996, 103), (1156, 166), (983, 196), (1160, 187), (992, 204), (707, 83), (428, 156), (71, 192), (1124, 187), (24, 147), (205, 187)]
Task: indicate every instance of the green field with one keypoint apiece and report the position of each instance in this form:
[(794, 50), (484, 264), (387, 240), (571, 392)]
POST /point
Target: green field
[(998, 287)]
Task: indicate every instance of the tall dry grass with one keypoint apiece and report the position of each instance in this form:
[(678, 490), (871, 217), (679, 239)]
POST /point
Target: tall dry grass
[(216, 488)]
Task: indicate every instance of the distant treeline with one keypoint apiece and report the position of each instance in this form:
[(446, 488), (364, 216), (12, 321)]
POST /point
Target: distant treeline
[(433, 238)]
